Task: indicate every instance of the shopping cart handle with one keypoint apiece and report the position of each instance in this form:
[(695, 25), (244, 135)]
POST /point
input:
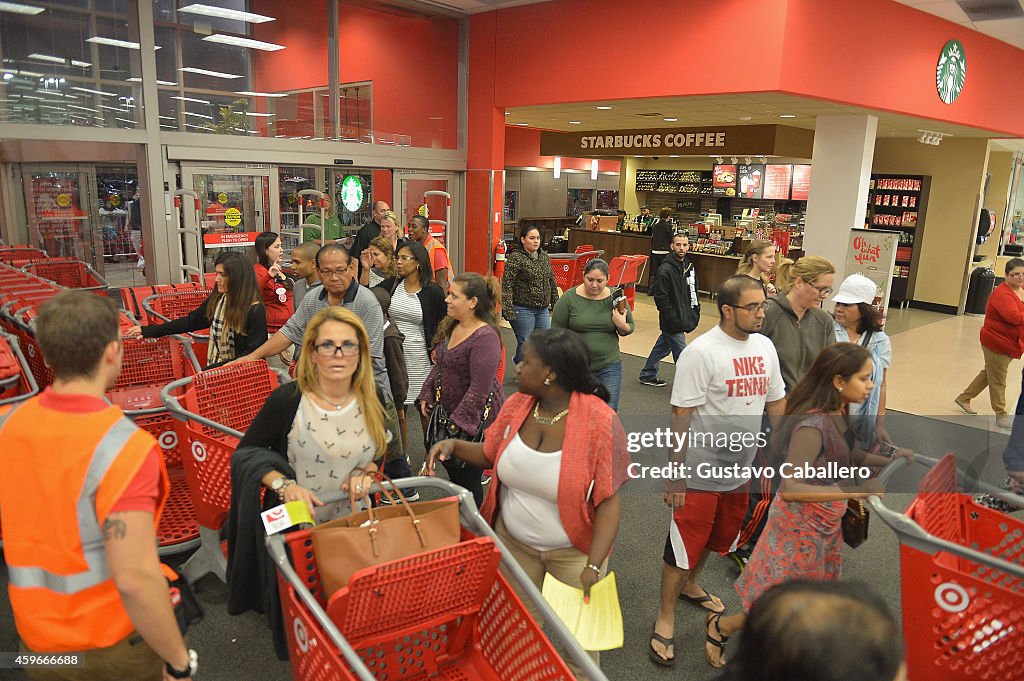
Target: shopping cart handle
[(182, 414)]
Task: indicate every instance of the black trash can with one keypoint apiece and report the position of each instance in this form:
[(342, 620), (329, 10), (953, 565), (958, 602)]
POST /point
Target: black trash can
[(982, 281)]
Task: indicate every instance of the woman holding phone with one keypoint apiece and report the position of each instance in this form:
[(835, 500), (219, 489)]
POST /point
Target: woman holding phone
[(599, 315)]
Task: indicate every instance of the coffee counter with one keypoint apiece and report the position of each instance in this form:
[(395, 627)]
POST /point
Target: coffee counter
[(713, 269), (613, 244)]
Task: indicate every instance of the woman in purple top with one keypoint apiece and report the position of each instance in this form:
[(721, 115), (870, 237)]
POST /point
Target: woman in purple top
[(467, 349)]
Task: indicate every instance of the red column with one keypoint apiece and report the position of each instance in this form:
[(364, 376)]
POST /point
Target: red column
[(486, 147)]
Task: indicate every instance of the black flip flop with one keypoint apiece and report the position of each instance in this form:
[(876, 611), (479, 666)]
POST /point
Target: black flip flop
[(716, 642), (653, 654), (699, 601)]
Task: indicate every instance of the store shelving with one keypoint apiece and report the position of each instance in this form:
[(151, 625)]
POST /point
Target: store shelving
[(898, 203)]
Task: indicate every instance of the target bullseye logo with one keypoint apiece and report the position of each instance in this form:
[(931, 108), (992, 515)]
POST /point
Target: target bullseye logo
[(168, 439), (199, 451), (952, 597), (301, 638)]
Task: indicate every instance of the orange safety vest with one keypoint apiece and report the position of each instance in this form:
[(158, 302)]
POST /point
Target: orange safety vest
[(61, 474), (432, 245)]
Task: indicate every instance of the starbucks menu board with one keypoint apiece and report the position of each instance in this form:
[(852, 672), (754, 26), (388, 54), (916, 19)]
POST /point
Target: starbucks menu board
[(801, 182), (723, 180), (777, 179), (751, 180)]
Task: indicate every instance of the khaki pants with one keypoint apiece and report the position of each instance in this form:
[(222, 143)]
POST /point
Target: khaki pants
[(993, 376), (120, 661), (564, 565)]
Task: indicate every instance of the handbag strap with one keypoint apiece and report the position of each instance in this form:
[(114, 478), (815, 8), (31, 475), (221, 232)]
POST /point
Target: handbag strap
[(394, 494)]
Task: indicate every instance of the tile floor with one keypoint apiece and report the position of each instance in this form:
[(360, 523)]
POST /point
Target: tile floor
[(934, 357)]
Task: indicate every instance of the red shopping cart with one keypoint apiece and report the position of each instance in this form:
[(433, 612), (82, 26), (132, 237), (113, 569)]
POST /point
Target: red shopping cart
[(568, 267), (962, 583), (69, 273), (627, 271), (21, 255), (219, 405), (166, 306), (132, 297), (16, 380), (445, 614), (149, 365)]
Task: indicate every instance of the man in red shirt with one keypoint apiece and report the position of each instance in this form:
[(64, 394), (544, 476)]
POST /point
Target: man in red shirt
[(80, 495)]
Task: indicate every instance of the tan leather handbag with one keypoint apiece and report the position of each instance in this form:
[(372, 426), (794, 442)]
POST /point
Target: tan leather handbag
[(379, 535)]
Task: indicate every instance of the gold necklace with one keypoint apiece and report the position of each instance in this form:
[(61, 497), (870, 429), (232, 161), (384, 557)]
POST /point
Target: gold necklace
[(545, 421)]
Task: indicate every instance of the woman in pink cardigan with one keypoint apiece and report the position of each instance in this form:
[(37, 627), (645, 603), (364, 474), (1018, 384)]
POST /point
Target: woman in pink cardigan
[(555, 499), (1001, 342)]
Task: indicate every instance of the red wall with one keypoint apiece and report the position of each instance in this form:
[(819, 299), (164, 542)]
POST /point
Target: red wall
[(522, 150), (412, 61), (872, 53)]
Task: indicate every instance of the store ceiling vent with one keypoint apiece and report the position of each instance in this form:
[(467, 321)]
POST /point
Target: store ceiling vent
[(991, 10)]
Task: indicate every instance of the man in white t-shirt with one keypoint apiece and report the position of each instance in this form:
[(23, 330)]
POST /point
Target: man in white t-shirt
[(725, 380)]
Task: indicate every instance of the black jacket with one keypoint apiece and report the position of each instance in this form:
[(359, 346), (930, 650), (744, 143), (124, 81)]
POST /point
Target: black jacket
[(255, 327), (675, 293), (366, 234), (661, 232)]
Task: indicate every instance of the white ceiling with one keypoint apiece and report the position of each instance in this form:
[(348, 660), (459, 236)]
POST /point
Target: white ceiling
[(739, 109), (1008, 30)]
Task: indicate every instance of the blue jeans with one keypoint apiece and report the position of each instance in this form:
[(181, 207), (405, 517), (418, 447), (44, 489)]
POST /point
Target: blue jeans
[(666, 343), (1013, 457), (528, 319), (611, 376)]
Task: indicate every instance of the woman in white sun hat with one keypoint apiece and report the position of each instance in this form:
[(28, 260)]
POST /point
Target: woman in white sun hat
[(857, 320)]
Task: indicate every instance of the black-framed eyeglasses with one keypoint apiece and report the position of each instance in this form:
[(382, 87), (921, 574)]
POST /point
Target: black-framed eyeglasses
[(823, 290), (753, 308), (330, 349), (330, 274)]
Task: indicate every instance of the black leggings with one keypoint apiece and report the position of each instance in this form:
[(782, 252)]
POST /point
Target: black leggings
[(466, 476)]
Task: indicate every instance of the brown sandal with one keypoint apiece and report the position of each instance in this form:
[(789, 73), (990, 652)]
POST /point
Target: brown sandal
[(670, 646)]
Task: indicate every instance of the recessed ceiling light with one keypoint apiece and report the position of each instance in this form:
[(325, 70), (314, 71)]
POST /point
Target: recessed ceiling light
[(670, 120), (243, 42), (787, 116), (18, 8), (257, 114), (638, 157), (745, 118), (575, 122), (190, 99), (221, 13), (205, 72), (114, 42), (604, 108), (674, 156), (508, 113), (523, 125), (261, 94)]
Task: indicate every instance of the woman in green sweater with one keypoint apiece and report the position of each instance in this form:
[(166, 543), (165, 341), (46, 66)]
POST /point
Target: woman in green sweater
[(599, 317)]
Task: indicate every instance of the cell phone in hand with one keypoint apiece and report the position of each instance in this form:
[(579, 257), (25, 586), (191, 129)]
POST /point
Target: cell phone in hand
[(619, 300)]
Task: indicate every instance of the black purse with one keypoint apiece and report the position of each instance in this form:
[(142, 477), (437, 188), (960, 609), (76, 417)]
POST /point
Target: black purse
[(440, 426), (855, 523)]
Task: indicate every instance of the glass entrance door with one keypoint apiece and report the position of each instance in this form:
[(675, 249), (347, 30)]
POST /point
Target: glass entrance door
[(235, 205), (59, 206), (435, 196)]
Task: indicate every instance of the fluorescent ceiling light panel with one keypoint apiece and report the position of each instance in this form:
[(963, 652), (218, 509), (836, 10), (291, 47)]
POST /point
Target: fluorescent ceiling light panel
[(222, 13), (159, 82), (114, 42), (125, 120), (46, 57), (604, 108), (31, 74), (199, 115), (204, 72), (237, 41), (258, 114), (81, 108), (81, 64), (169, 118), (261, 94), (18, 8), (190, 99), (95, 92)]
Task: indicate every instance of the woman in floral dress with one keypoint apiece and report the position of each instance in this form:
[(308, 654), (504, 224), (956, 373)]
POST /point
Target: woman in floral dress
[(803, 536)]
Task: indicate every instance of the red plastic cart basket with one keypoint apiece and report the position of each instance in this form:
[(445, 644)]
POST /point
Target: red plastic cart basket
[(445, 614), (219, 405), (69, 273), (627, 271), (16, 380), (962, 583), (166, 306), (21, 255), (568, 267), (149, 365)]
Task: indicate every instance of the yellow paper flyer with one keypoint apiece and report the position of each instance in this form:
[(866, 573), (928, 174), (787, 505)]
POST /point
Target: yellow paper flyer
[(596, 625)]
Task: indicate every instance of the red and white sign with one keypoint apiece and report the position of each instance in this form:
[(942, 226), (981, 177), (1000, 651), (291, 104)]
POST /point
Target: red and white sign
[(801, 182), (777, 179), (230, 239)]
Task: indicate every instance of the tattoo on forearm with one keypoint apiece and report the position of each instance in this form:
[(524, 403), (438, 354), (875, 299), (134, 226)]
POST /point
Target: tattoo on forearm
[(114, 529)]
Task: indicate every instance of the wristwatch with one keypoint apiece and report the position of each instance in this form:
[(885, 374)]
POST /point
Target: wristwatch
[(280, 485), (186, 673)]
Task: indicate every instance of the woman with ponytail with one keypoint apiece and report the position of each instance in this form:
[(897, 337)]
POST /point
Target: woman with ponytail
[(758, 263), (557, 487), (462, 387)]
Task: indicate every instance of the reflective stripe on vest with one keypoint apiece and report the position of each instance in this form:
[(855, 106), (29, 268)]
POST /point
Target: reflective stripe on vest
[(88, 525)]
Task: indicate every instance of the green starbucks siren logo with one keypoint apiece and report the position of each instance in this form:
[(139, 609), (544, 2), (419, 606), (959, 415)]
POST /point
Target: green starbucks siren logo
[(950, 71), (352, 193)]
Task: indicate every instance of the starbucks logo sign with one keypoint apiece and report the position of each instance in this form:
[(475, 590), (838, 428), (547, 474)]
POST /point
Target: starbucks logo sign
[(352, 193), (950, 71)]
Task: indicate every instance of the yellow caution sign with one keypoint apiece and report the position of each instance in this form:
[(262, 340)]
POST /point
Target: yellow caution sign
[(222, 198), (63, 200), (232, 217)]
